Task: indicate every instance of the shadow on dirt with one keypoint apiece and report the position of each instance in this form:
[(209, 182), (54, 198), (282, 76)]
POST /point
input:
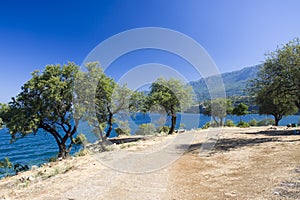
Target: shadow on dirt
[(228, 144), (276, 133)]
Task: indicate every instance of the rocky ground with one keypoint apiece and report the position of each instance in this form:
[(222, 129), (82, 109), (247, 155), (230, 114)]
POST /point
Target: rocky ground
[(251, 163)]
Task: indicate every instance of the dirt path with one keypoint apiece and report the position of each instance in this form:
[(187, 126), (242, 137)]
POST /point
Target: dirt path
[(244, 164)]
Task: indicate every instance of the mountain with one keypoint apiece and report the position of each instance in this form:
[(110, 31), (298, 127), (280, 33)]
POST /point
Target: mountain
[(234, 82)]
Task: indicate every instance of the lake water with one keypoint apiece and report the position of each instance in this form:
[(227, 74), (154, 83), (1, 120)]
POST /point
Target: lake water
[(36, 149)]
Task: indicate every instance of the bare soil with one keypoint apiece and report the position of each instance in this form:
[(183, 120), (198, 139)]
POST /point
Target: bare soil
[(251, 163)]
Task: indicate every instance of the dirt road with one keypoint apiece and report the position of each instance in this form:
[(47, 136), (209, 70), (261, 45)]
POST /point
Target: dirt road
[(252, 163)]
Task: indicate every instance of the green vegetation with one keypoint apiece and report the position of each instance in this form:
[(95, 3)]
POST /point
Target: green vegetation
[(6, 164), (45, 102), (82, 152), (172, 95), (123, 128), (253, 122), (229, 123), (80, 139), (276, 88), (109, 99), (146, 129), (206, 125), (240, 110), (242, 124), (266, 122), (218, 109), (164, 129)]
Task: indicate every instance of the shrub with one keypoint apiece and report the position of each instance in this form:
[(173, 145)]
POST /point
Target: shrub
[(82, 152), (182, 126), (123, 128), (146, 129), (229, 123), (266, 122), (80, 139), (214, 124), (242, 124), (163, 129), (206, 126), (6, 164), (253, 122)]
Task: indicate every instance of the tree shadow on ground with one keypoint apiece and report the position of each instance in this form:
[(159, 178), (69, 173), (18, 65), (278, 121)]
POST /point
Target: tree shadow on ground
[(275, 133), (228, 144), (125, 140)]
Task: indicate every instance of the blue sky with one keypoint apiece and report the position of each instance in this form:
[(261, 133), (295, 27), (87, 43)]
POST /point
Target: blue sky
[(235, 33)]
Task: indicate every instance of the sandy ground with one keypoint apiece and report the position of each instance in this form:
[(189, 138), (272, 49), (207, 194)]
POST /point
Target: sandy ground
[(252, 163)]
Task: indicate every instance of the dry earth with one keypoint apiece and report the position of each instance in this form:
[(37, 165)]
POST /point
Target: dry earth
[(252, 163)]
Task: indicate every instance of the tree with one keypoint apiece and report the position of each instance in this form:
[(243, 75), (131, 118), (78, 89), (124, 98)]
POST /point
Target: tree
[(284, 67), (6, 164), (45, 102), (139, 102), (271, 103), (218, 109), (99, 98), (276, 88), (172, 95), (240, 110)]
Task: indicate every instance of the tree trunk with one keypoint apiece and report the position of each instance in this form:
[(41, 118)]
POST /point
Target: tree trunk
[(277, 119), (216, 121), (61, 141), (63, 153), (110, 125), (173, 124)]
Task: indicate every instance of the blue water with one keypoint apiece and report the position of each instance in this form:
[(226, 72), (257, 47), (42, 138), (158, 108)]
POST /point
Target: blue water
[(36, 149)]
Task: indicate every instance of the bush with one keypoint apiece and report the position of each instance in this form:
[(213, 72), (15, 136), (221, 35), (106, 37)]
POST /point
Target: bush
[(163, 129), (81, 153), (123, 128), (206, 126), (214, 124), (229, 123), (80, 139), (253, 122), (243, 124), (266, 122), (146, 129)]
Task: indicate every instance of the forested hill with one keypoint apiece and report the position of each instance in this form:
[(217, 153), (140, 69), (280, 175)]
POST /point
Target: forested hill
[(235, 82)]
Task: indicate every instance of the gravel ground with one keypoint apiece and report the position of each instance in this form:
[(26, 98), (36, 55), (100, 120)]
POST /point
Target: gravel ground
[(251, 163)]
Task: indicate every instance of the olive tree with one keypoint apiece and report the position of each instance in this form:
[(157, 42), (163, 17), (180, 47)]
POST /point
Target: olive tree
[(45, 102), (277, 87), (218, 109), (99, 98), (173, 95)]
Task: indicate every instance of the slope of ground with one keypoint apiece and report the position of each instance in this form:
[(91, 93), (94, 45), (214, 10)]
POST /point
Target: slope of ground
[(252, 163)]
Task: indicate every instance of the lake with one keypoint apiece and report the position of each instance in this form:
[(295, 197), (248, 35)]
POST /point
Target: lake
[(37, 149)]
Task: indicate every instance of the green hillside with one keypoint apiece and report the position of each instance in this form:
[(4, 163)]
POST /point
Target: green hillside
[(235, 82)]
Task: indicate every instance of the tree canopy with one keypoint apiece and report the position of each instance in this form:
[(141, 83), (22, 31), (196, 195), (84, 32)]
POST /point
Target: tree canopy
[(277, 86), (45, 102), (240, 110), (99, 98), (218, 109), (173, 95)]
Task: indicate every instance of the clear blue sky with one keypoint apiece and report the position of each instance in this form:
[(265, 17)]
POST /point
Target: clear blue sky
[(235, 33)]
